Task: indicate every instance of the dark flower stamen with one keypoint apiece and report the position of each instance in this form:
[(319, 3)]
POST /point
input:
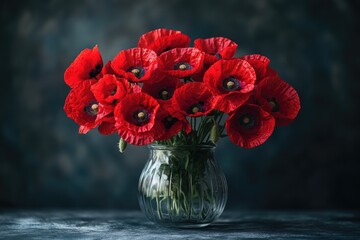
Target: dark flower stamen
[(95, 71), (169, 121), (182, 66), (141, 117), (165, 94), (274, 104), (231, 84), (197, 107), (139, 72), (247, 121), (92, 109)]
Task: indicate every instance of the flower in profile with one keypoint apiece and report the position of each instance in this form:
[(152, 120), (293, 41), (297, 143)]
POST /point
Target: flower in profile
[(110, 89), (135, 119), (161, 40), (135, 64), (261, 66), (249, 126), (86, 66), (278, 98), (163, 89), (181, 62), (192, 99), (216, 48), (84, 109), (231, 81), (171, 124)]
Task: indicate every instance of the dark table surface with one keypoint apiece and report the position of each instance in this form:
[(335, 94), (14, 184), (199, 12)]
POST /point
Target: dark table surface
[(133, 225)]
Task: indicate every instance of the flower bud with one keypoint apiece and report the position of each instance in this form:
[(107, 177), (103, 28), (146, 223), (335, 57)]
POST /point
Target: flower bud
[(122, 145)]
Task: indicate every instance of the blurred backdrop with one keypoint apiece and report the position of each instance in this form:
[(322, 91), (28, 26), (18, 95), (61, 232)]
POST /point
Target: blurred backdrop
[(314, 45)]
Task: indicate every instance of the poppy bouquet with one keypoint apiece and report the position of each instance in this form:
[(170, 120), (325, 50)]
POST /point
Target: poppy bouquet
[(168, 93)]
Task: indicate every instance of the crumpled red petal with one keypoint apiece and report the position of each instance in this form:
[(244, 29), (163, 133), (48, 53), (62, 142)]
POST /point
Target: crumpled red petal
[(161, 40), (163, 89), (87, 65), (216, 48), (261, 66), (171, 125), (190, 95), (254, 133), (124, 111), (278, 98), (141, 58), (239, 71), (110, 89), (170, 61)]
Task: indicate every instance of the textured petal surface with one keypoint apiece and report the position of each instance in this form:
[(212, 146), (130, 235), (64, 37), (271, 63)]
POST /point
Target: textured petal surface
[(142, 58), (251, 135), (87, 65), (193, 94), (278, 98), (216, 48), (191, 57), (161, 40)]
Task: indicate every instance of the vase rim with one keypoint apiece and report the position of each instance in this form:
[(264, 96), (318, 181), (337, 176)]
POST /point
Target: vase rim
[(197, 146)]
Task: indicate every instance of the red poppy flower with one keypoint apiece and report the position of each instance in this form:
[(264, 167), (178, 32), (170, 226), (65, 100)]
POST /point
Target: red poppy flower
[(249, 126), (216, 48), (107, 69), (86, 66), (192, 99), (135, 119), (163, 89), (171, 125), (261, 66), (135, 64), (84, 109), (110, 89), (107, 125), (278, 98), (230, 81), (162, 40), (181, 62)]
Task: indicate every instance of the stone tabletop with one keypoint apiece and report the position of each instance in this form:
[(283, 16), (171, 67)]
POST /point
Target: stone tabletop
[(133, 225)]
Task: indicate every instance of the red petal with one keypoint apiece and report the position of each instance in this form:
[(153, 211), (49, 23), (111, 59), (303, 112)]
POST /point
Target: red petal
[(142, 58), (161, 40), (87, 65), (133, 102), (283, 94), (110, 90), (192, 94), (252, 135), (261, 66), (216, 48), (192, 57)]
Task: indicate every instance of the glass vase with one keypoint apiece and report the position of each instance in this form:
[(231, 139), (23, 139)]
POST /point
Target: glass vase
[(182, 186)]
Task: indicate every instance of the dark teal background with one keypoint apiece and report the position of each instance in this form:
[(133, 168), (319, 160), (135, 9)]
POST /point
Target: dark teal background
[(310, 164)]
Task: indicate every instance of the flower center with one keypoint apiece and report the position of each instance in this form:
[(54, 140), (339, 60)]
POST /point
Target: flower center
[(247, 121), (195, 108), (231, 84), (182, 66), (95, 71), (274, 104), (139, 72), (92, 109), (141, 117), (164, 94), (113, 91), (169, 121)]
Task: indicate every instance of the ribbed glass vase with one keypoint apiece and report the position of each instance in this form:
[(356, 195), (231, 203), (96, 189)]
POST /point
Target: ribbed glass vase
[(182, 186)]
